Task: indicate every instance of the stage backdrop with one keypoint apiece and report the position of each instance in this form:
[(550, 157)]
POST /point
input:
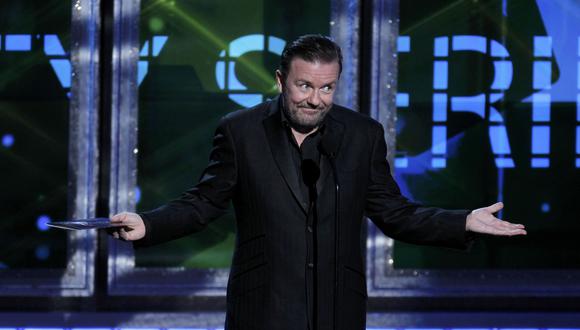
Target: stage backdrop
[(487, 97), (199, 61), (489, 110)]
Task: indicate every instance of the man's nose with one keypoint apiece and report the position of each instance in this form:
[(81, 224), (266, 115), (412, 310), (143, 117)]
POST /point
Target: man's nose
[(314, 99)]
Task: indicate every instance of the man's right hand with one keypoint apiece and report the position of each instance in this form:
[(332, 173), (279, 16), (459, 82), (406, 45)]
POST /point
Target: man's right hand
[(128, 226)]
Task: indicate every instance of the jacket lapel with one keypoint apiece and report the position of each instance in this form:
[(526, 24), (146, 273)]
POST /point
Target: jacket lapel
[(280, 148)]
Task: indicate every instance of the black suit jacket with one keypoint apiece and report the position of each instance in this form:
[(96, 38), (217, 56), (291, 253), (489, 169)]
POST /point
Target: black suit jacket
[(269, 281)]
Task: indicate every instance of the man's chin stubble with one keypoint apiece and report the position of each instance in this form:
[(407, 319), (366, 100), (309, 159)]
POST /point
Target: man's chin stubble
[(304, 128)]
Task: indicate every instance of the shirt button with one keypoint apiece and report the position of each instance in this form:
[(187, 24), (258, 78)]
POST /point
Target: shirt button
[(309, 229), (310, 265)]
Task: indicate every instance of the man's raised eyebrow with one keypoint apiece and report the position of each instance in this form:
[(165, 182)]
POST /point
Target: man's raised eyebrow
[(303, 81), (330, 84)]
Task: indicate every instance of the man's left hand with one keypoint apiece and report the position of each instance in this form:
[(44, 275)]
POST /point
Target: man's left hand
[(482, 221)]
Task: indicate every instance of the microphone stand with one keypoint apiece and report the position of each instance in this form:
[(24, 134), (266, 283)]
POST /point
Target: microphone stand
[(314, 214), (310, 175), (336, 238), (328, 148)]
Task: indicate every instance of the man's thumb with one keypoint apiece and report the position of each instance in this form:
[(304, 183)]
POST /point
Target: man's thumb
[(495, 207)]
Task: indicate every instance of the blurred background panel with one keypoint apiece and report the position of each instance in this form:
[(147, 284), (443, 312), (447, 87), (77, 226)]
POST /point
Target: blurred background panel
[(199, 61), (488, 104), (35, 78), (488, 112)]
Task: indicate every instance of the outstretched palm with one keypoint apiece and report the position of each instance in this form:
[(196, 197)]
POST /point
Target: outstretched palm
[(482, 221)]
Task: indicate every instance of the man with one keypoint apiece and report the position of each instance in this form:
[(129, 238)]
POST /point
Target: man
[(277, 162)]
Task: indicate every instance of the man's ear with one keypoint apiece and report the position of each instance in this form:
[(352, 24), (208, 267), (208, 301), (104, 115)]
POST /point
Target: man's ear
[(279, 80)]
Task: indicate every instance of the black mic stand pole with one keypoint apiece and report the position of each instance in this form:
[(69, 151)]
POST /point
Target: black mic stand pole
[(310, 175), (336, 239), (314, 210)]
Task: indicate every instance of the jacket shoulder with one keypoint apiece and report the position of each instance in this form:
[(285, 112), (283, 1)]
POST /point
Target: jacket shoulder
[(247, 116), (355, 119)]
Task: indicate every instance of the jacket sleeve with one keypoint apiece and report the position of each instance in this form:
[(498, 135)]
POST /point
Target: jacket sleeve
[(401, 219), (198, 206)]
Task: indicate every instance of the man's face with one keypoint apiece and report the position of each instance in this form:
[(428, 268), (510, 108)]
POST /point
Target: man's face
[(308, 90)]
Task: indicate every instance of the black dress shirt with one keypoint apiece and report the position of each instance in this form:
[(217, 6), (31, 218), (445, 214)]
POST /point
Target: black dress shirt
[(308, 150)]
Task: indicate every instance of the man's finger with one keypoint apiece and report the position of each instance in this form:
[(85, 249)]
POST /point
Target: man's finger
[(509, 232), (509, 225), (495, 207), (517, 232), (125, 234), (119, 217), (503, 225)]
